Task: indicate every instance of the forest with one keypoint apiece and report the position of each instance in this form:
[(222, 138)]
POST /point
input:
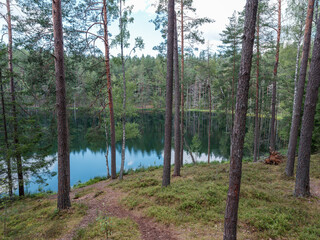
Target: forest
[(100, 139)]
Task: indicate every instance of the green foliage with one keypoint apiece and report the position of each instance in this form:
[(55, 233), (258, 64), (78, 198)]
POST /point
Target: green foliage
[(90, 182), (315, 147), (38, 218), (196, 144), (108, 227)]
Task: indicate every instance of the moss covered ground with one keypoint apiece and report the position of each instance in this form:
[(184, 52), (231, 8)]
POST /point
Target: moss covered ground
[(193, 206)]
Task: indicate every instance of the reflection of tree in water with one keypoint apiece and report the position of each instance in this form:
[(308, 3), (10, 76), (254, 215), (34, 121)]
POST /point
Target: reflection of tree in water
[(86, 132)]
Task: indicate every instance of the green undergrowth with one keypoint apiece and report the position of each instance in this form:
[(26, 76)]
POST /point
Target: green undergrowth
[(37, 218), (197, 200), (106, 227), (89, 182)]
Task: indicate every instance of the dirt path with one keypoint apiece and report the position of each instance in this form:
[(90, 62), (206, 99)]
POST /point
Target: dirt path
[(108, 201)]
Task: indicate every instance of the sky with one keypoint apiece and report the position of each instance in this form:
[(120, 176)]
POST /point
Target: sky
[(144, 11)]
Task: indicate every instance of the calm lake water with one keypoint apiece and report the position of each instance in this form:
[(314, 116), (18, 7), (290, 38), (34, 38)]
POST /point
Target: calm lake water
[(88, 145)]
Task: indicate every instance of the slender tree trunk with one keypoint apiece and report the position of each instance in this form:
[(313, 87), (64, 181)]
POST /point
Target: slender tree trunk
[(107, 145), (112, 124), (302, 187), (209, 126), (177, 139), (13, 99), (209, 95), (232, 91), (231, 214), (123, 150), (296, 78), (297, 69), (8, 160), (168, 118), (300, 91), (274, 85), (63, 148), (182, 90), (256, 120), (317, 11)]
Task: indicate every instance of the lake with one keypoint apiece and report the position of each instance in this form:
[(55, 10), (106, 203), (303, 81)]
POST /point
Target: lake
[(88, 144)]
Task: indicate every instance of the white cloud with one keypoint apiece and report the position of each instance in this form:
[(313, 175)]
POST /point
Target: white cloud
[(142, 5), (220, 11)]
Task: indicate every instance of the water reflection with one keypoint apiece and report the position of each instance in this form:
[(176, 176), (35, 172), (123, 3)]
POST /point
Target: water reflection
[(88, 146)]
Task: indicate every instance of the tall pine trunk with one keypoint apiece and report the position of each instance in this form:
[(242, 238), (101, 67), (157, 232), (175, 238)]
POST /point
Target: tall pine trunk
[(177, 138), (13, 100), (123, 149), (107, 63), (210, 108), (168, 118), (302, 187), (274, 85), (209, 125), (6, 141), (256, 119), (231, 214), (182, 87), (63, 145), (300, 91), (107, 146)]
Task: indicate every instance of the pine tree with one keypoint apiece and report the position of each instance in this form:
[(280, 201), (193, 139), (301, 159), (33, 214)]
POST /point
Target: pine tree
[(231, 214)]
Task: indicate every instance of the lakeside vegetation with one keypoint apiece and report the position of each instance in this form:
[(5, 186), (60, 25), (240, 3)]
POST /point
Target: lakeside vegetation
[(195, 202)]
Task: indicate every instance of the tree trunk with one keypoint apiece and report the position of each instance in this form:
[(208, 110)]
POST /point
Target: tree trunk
[(107, 145), (317, 11), (274, 85), (168, 118), (112, 124), (177, 144), (300, 91), (232, 91), (209, 126), (256, 119), (231, 214), (182, 90), (13, 99), (63, 148), (123, 149), (8, 160), (302, 187)]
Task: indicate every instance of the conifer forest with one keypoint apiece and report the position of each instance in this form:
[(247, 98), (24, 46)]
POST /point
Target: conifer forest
[(159, 119)]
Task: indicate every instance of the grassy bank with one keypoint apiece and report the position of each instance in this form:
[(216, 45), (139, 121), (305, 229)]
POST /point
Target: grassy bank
[(195, 202), (193, 206)]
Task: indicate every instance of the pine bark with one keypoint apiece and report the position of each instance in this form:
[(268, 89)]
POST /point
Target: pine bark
[(182, 87), (13, 100), (256, 119), (302, 186), (177, 139), (112, 122), (231, 214), (294, 131), (169, 85), (6, 141), (123, 149), (274, 85), (61, 108)]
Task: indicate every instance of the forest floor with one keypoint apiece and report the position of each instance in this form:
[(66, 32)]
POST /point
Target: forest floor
[(192, 207)]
